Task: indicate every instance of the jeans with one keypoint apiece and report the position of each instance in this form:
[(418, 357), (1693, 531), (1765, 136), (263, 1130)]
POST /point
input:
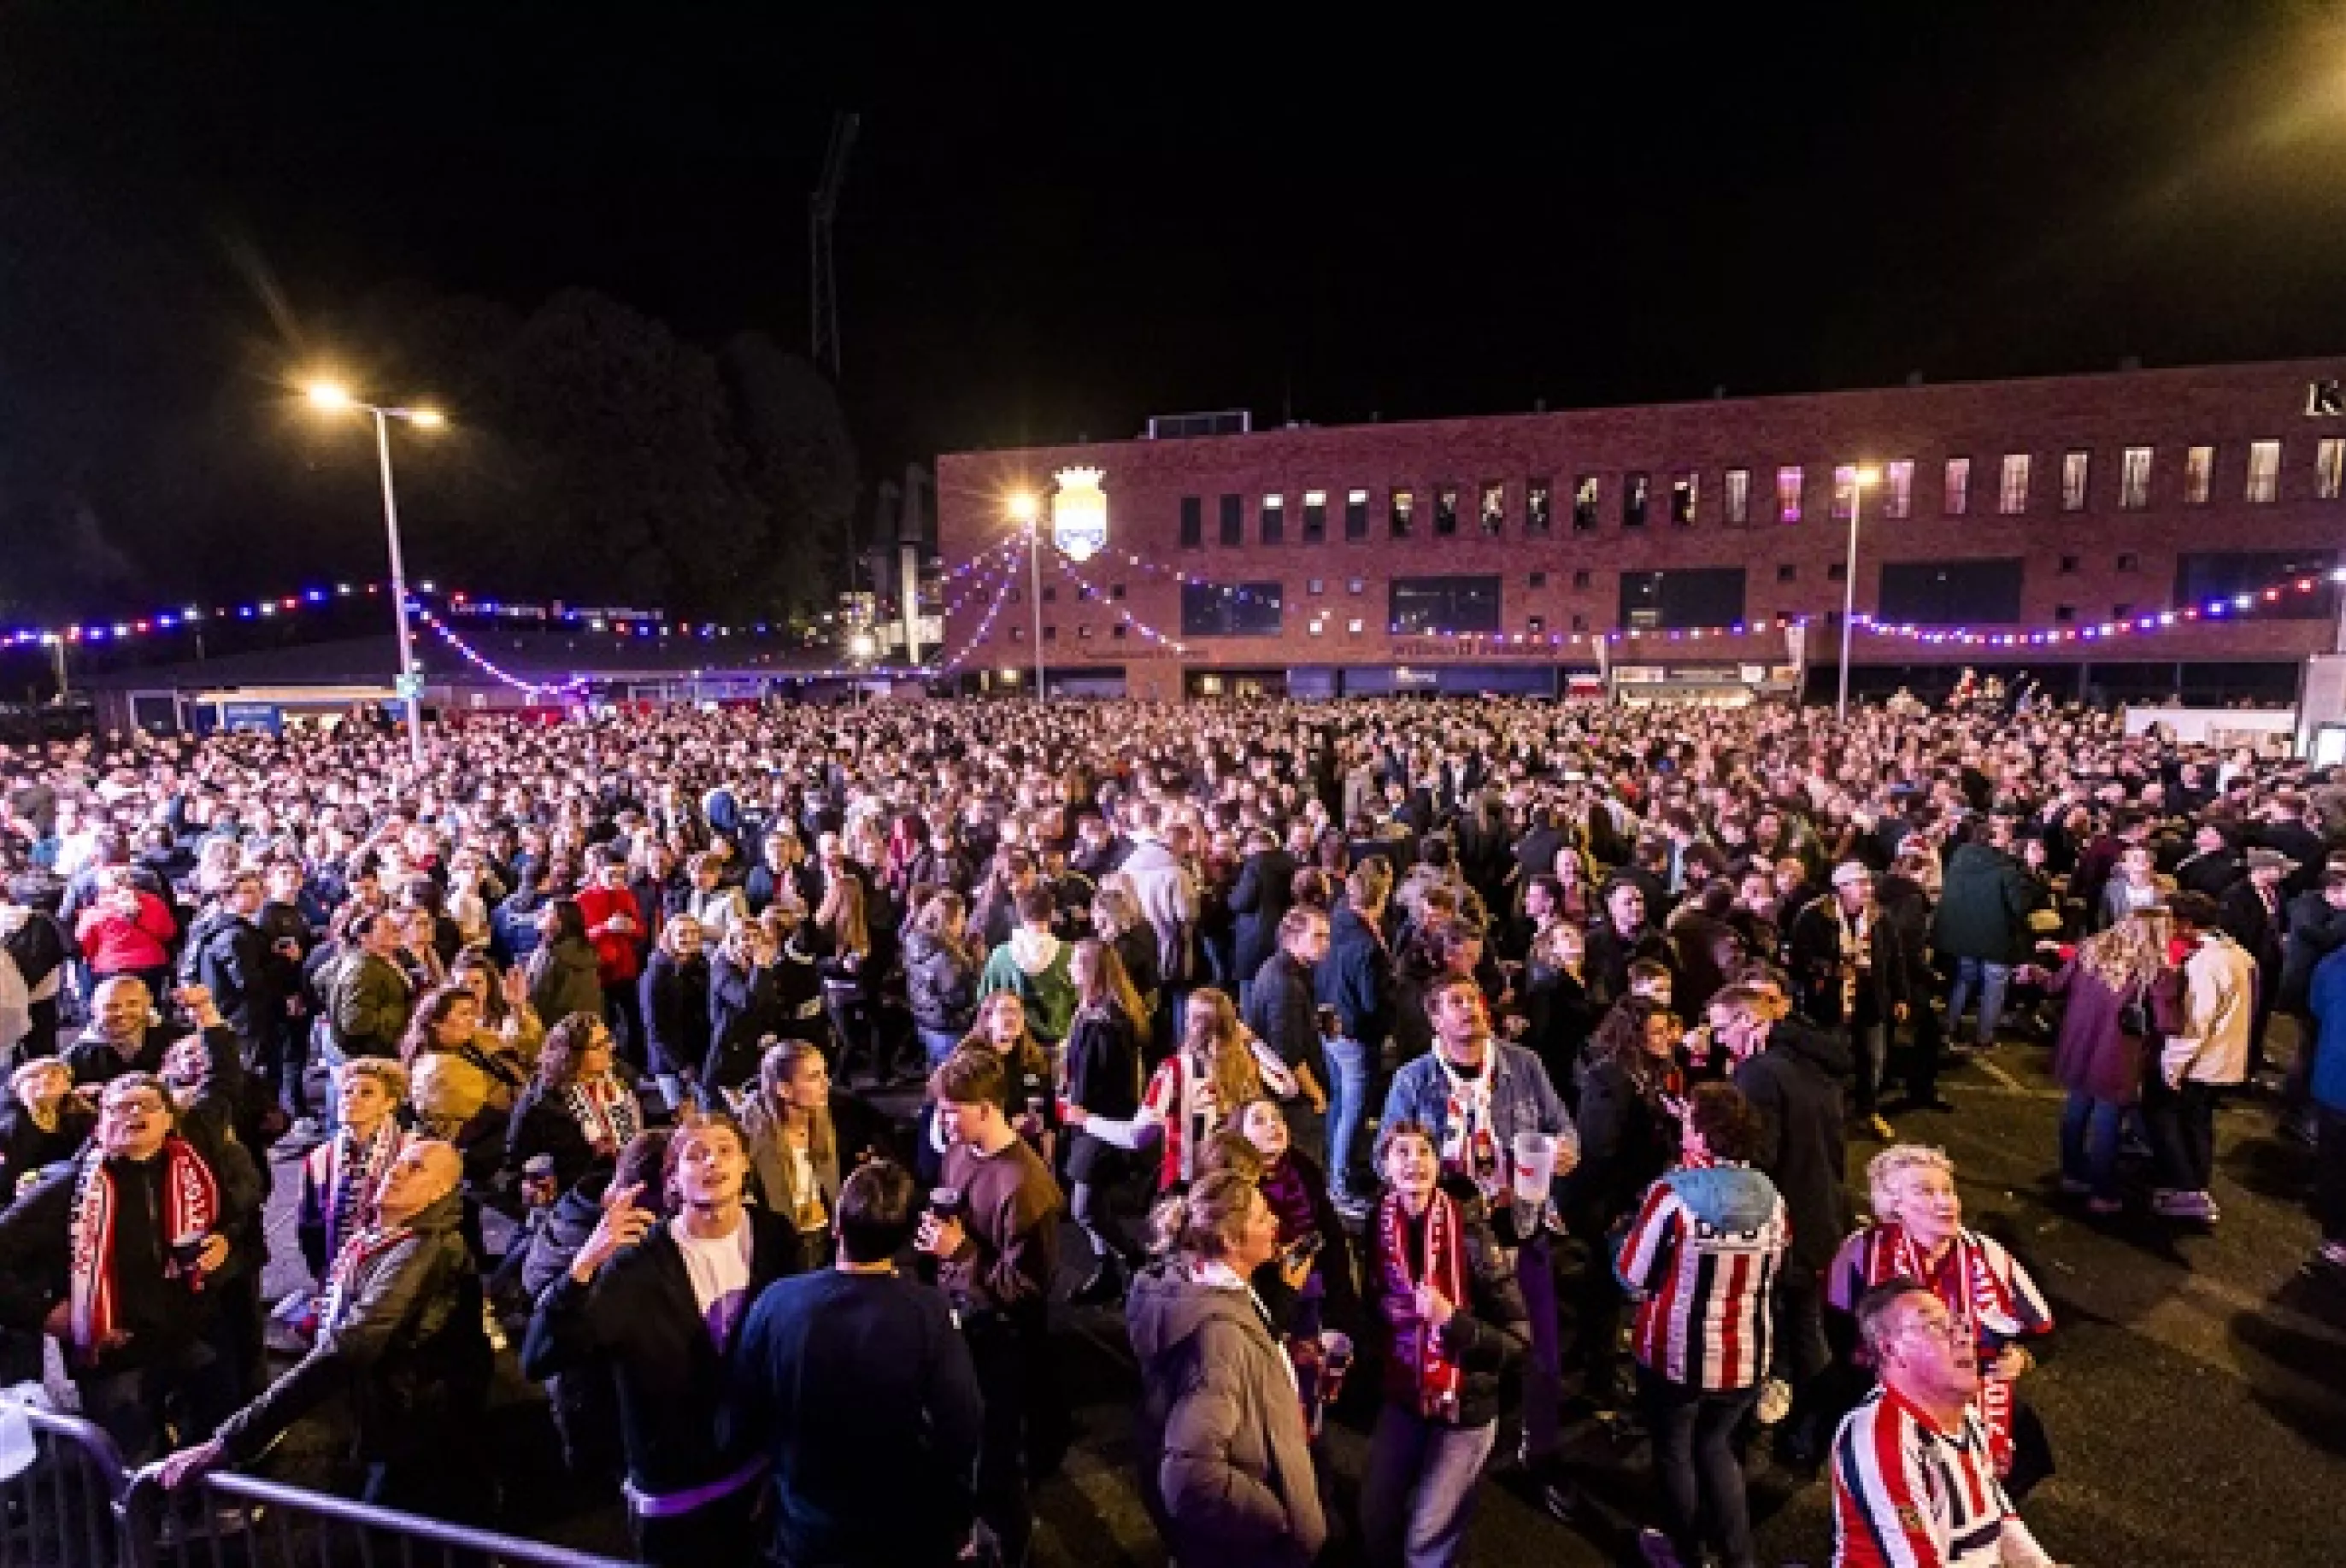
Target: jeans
[(1991, 979), (1350, 1067), (1418, 1491), (1543, 1382), (2089, 1143), (1694, 1464), (2182, 1134)]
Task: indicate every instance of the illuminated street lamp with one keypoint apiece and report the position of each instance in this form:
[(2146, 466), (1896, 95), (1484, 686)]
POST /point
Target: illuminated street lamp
[(1858, 478), (332, 397), (1027, 512), (861, 647)]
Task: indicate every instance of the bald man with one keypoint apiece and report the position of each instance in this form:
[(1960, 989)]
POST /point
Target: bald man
[(400, 1342)]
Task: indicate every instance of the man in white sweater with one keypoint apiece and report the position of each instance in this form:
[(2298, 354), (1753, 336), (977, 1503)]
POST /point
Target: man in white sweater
[(2205, 1052)]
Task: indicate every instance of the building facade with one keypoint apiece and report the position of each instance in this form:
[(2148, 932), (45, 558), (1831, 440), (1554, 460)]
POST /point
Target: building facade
[(2046, 525)]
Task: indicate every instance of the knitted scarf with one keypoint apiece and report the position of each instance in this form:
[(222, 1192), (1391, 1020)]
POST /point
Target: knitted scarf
[(604, 1112), (1419, 1372), (191, 1209), (1469, 1148), (1974, 1296), (354, 1179), (359, 1251)]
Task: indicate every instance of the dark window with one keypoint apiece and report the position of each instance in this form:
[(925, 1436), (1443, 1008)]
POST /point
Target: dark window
[(1634, 490), (2130, 562), (1116, 590), (1952, 592), (1787, 573), (1050, 634), (1274, 519), (1117, 631), (1230, 610), (1401, 514), (1700, 596), (1315, 517), (1583, 579), (1539, 507), (1051, 596), (1580, 623), (1233, 520), (1684, 491), (1445, 511), (2120, 612), (1445, 605), (1494, 506), (1837, 571), (1539, 579), (1356, 514), (2225, 574), (2068, 565), (1584, 494), (2064, 612), (1193, 521)]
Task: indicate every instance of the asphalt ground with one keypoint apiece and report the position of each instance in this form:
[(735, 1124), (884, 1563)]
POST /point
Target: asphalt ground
[(2195, 1390)]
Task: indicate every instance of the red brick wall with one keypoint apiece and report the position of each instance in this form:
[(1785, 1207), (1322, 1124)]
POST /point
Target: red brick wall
[(2227, 406)]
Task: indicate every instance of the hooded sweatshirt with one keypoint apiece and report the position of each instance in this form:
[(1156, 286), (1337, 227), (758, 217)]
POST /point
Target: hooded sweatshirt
[(1796, 1086), (1034, 964), (1225, 1465)]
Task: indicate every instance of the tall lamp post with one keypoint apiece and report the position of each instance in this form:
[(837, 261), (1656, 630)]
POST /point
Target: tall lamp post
[(1859, 479), (332, 397), (1026, 511)]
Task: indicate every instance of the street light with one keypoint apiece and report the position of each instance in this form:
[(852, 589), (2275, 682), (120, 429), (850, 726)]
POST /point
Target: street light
[(1858, 478), (1027, 512), (333, 397)]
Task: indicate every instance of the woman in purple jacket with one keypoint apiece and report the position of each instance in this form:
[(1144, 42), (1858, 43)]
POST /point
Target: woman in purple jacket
[(2100, 1056)]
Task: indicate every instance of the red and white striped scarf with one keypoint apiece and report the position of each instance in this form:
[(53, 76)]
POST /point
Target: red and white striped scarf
[(1469, 1147), (1974, 1296), (605, 1112), (353, 1176), (190, 1210), (1420, 1370), (355, 1255)]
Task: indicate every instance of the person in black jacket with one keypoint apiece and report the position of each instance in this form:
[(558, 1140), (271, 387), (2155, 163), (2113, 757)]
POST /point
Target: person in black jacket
[(1356, 979), (1852, 969), (941, 975), (1104, 1076), (1792, 1075), (1282, 1012), (2251, 915), (32, 937), (1628, 1137), (42, 1123), (1620, 937), (675, 999), (1264, 893), (660, 1304)]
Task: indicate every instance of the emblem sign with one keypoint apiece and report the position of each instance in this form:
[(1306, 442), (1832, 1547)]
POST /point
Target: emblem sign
[(1080, 514)]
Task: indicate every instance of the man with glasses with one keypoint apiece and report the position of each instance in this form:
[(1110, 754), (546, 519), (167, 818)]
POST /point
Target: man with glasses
[(1913, 1482), (110, 1255)]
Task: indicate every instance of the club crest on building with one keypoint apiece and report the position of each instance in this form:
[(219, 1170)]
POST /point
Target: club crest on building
[(1080, 514)]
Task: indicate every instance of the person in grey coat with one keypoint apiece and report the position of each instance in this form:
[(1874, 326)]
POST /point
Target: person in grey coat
[(1226, 1468)]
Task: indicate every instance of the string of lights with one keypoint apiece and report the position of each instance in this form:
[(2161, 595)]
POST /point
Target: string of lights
[(1146, 631), (489, 667), (984, 626)]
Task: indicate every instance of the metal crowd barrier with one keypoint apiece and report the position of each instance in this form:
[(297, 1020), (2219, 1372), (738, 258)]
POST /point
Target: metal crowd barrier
[(75, 1506)]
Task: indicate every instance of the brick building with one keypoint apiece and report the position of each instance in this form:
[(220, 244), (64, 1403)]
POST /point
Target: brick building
[(1503, 552)]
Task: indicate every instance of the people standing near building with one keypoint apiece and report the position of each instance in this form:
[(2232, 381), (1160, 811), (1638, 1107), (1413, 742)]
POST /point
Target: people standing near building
[(1280, 1011), (2102, 1053), (1033, 965), (853, 1385), (674, 1003), (577, 1109), (997, 1246), (615, 928), (1104, 1075), (2326, 1087), (1700, 1256), (2252, 914), (342, 1177), (370, 995), (658, 1305), (1452, 1316), (940, 974), (1980, 929)]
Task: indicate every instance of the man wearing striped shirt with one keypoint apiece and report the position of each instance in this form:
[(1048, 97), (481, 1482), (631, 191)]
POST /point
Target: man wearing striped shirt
[(1913, 1482)]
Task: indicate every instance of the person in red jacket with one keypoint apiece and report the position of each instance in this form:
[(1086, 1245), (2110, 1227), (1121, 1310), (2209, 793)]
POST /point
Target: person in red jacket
[(614, 926), (124, 930)]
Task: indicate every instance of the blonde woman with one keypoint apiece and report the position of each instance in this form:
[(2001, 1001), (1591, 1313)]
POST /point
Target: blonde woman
[(794, 1148), (1193, 1091), (2104, 1046), (1918, 1234)]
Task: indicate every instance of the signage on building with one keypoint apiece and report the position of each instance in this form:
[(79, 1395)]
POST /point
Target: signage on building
[(1080, 514)]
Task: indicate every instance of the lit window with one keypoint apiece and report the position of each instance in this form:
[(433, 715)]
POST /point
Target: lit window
[(1315, 586), (1315, 627), (1352, 626), (2134, 479), (1739, 496), (2264, 472), (1539, 499), (1898, 488), (1083, 634), (1315, 517), (1274, 519), (1686, 489), (1401, 512), (1787, 494), (1634, 489), (2076, 468), (1535, 624), (1356, 514), (1495, 507), (1956, 495), (2329, 468), (2199, 474), (1584, 494), (2012, 488), (1354, 586), (1844, 490)]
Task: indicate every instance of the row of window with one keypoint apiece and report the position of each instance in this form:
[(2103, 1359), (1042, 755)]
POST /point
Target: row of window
[(1973, 592), (1677, 497)]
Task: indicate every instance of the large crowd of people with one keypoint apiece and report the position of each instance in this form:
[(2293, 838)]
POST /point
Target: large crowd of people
[(774, 1087)]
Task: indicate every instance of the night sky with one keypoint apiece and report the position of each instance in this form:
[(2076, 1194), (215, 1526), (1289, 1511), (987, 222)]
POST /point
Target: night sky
[(1061, 224)]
